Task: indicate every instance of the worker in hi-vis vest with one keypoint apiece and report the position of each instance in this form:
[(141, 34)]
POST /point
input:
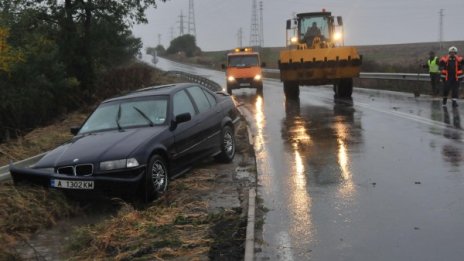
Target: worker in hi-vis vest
[(451, 71), (434, 71)]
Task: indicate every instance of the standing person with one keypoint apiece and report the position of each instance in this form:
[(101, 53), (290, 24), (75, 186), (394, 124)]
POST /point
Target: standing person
[(451, 68), (434, 71)]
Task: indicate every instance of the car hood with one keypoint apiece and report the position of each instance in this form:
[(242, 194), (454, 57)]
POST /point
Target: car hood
[(100, 146)]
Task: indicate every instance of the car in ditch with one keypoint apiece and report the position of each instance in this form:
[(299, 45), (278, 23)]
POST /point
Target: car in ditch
[(134, 144)]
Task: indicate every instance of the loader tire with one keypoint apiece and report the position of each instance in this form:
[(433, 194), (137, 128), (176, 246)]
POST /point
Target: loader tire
[(343, 88), (291, 90)]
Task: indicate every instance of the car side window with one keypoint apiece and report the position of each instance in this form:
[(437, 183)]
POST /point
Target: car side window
[(182, 104), (210, 98), (200, 98)]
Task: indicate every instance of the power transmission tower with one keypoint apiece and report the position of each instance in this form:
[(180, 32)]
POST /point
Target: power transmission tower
[(254, 34), (191, 19), (240, 37), (181, 23), (261, 24), (441, 29)]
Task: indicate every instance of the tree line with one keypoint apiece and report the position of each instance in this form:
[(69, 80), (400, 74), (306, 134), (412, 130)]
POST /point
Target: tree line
[(53, 54)]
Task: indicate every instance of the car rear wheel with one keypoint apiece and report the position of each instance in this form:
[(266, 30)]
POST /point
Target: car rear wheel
[(227, 145), (156, 178)]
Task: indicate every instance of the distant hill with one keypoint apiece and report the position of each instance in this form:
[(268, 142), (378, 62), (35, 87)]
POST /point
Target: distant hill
[(379, 58)]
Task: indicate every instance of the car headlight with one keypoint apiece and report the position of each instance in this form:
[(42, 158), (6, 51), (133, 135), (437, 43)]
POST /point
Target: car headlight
[(258, 77), (119, 164), (231, 78)]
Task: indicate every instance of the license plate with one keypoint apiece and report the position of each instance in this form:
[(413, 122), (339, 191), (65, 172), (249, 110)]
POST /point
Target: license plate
[(71, 184), (244, 84)]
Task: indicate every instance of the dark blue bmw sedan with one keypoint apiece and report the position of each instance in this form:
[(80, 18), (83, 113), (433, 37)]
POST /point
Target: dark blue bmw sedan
[(135, 143)]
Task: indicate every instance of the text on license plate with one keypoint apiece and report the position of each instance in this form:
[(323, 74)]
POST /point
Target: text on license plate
[(71, 184), (244, 84)]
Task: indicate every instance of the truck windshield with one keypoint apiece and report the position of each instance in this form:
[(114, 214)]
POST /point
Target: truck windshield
[(243, 60), (314, 26)]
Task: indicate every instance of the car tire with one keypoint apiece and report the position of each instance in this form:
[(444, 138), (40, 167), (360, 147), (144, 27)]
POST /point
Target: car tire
[(227, 145), (156, 178), (229, 90), (259, 90)]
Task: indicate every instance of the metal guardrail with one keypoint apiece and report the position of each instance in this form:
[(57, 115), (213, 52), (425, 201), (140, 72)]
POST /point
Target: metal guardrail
[(214, 86), (382, 76), (5, 170), (396, 76)]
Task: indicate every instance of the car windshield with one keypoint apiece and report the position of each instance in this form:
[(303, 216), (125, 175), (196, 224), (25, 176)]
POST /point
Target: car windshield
[(128, 113), (243, 61)]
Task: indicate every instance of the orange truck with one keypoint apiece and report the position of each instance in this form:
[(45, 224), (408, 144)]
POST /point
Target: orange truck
[(243, 70)]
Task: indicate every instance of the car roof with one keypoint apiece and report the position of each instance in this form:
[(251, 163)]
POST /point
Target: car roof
[(167, 89)]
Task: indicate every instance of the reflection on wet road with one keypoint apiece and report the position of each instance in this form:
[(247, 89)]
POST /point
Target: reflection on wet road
[(345, 181), (379, 177)]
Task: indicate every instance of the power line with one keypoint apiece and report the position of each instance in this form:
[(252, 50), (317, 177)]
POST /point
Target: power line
[(254, 34), (261, 24), (441, 28), (240, 37), (191, 19), (181, 23)]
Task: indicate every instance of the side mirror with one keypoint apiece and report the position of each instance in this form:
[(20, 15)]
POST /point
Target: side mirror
[(263, 64), (339, 20), (183, 117), (289, 24), (223, 66), (75, 130)]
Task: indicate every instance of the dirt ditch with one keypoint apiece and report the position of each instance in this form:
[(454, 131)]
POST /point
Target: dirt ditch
[(201, 217)]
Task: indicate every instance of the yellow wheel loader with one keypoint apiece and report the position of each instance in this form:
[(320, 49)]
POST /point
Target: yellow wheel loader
[(315, 55)]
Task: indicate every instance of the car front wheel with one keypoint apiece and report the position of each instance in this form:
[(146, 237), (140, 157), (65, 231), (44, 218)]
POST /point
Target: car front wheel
[(227, 145), (156, 178)]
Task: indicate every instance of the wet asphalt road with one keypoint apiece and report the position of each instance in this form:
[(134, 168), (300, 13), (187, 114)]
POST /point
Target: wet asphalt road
[(380, 177)]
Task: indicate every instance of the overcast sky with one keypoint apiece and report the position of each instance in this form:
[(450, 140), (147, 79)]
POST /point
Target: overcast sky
[(366, 22)]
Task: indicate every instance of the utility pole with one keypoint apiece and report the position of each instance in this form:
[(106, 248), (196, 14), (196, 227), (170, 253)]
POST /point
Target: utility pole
[(181, 24), (240, 37), (261, 24), (441, 29), (254, 34), (191, 19)]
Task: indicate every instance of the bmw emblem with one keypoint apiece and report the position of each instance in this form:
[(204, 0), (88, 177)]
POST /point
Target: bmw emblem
[(75, 160)]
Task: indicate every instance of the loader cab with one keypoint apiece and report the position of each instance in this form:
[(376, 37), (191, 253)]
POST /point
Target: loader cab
[(306, 27)]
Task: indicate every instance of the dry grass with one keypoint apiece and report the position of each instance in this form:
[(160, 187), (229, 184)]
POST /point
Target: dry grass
[(40, 139), (24, 210), (177, 225)]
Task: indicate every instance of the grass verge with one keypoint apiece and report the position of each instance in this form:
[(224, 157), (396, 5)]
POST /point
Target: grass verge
[(24, 210)]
